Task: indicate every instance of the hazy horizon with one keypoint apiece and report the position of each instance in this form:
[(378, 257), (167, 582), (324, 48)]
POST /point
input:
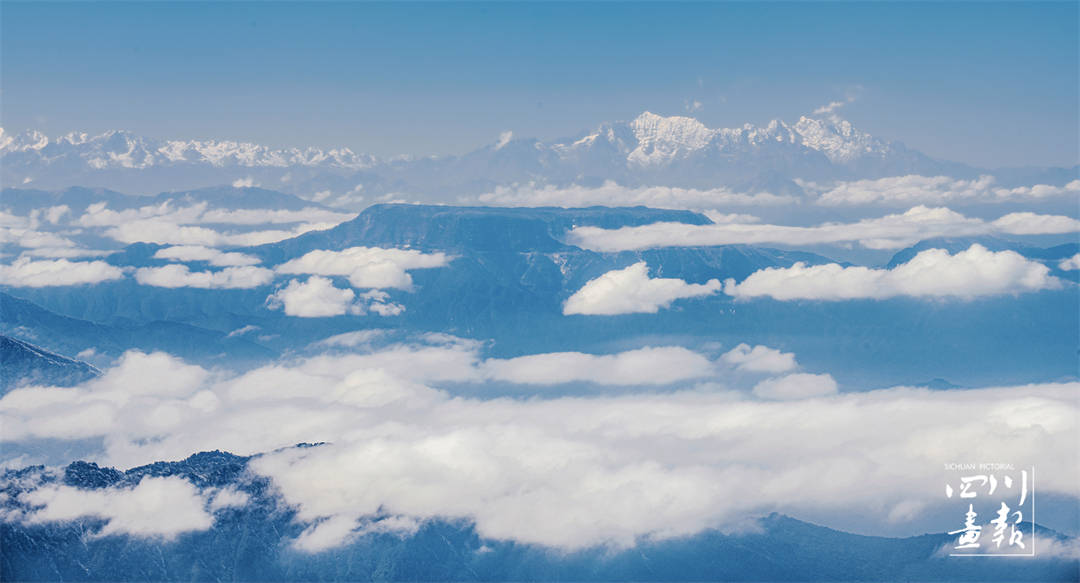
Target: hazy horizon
[(992, 87)]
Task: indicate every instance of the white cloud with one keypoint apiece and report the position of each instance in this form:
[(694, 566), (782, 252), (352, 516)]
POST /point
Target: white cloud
[(504, 139), (25, 272), (33, 239), (888, 232), (1035, 224), (327, 534), (315, 298), (174, 276), (796, 386), (227, 498), (932, 273), (378, 302), (567, 472), (165, 223), (729, 218), (1048, 547), (127, 379), (631, 291), (577, 472), (215, 257), (99, 215), (1071, 263), (8, 220), (242, 330), (1039, 191), (914, 188), (330, 533), (759, 359), (829, 110), (64, 252), (51, 215), (366, 267), (831, 107), (156, 507), (172, 400), (274, 216), (612, 194), (402, 526), (353, 339), (319, 298), (646, 366), (244, 182), (163, 232), (353, 199)]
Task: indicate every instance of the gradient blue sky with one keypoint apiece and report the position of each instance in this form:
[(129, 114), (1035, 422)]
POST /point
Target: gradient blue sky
[(988, 84)]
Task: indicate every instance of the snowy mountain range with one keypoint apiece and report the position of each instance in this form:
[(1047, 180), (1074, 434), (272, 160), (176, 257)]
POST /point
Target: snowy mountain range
[(648, 150), (122, 149), (659, 140)]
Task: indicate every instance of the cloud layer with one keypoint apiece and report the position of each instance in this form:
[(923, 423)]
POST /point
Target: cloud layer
[(318, 297), (168, 223), (759, 359), (215, 257), (612, 194), (889, 191), (932, 273), (892, 231), (99, 215), (166, 233), (366, 267), (796, 386), (156, 507), (315, 298), (645, 366), (25, 272), (632, 291), (180, 276), (916, 189), (567, 472)]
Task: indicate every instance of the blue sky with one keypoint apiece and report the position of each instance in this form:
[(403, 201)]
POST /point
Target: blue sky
[(989, 84)]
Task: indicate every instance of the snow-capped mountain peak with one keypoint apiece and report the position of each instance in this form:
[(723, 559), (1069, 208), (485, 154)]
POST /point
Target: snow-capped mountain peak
[(123, 149), (22, 141), (650, 149), (837, 138), (662, 138)]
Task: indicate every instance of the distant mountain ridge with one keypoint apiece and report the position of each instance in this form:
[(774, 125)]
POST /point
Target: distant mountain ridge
[(22, 201), (123, 149), (24, 321), (23, 363), (648, 150)]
